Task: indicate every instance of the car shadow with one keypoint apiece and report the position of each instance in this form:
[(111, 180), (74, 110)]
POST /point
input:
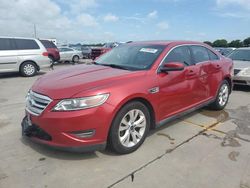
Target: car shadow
[(57, 154)]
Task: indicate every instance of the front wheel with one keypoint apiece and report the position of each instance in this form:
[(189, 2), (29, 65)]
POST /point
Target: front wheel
[(28, 69), (129, 128), (222, 97)]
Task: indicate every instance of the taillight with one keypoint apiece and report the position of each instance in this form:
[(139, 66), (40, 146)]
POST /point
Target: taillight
[(45, 54)]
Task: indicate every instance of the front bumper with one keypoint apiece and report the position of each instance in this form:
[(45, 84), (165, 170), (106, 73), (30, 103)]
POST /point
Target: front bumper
[(60, 130), (241, 80)]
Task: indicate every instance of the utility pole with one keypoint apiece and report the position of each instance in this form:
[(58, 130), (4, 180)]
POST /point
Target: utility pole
[(35, 30)]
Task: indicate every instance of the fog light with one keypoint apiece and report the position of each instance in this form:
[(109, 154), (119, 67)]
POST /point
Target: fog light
[(84, 134)]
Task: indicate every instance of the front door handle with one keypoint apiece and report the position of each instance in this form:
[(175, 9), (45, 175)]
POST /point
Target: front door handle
[(217, 66), (190, 73)]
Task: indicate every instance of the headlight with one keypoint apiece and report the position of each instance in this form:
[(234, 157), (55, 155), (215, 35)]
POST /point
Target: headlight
[(245, 72), (81, 103)]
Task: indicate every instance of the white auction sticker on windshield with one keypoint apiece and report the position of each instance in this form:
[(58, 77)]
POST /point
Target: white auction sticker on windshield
[(149, 50)]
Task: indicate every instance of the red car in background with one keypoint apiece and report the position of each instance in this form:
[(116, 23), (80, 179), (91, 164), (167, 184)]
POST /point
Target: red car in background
[(52, 50), (128, 91), (97, 51)]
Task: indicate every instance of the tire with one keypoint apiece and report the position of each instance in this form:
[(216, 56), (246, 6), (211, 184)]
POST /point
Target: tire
[(125, 136), (75, 59), (222, 97), (28, 69)]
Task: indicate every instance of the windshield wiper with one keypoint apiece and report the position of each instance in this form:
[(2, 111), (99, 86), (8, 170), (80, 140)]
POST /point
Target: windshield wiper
[(115, 66)]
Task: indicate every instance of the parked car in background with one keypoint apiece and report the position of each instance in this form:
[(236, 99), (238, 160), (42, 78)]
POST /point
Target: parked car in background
[(53, 51), (86, 52), (225, 51), (129, 90), (24, 55), (241, 59), (70, 54), (97, 51)]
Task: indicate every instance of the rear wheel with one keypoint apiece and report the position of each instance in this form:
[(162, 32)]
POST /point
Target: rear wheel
[(222, 97), (28, 69), (75, 59), (129, 128)]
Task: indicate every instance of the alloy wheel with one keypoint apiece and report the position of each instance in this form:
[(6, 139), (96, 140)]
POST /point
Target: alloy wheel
[(132, 128), (223, 95)]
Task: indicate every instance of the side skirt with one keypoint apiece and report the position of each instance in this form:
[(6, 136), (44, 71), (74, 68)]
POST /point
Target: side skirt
[(181, 114)]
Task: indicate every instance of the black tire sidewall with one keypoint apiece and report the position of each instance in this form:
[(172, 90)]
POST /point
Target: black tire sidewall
[(216, 105), (73, 59), (114, 130), (22, 69)]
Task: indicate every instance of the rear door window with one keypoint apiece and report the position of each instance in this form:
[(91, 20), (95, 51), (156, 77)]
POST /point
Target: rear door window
[(200, 54), (26, 44), (180, 54)]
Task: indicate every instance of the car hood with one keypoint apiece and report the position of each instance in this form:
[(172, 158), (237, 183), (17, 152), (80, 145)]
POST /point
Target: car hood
[(241, 64), (67, 82)]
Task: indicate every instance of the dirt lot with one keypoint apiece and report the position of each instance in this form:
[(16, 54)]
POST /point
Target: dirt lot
[(204, 149)]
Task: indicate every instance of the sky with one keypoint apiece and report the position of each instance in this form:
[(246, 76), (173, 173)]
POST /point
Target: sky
[(94, 21)]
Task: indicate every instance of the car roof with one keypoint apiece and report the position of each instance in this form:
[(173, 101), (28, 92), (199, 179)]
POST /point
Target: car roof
[(167, 42), (18, 37)]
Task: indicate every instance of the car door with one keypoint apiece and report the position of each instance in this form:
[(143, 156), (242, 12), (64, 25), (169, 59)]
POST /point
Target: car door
[(70, 52), (8, 55), (63, 55), (177, 88), (202, 62), (215, 72)]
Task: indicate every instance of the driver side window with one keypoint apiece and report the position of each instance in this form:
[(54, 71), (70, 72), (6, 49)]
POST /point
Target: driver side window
[(180, 54)]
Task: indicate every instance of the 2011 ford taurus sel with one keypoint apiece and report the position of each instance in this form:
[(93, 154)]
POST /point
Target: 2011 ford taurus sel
[(127, 91)]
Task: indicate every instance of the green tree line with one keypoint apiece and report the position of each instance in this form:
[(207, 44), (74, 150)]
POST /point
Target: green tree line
[(234, 43)]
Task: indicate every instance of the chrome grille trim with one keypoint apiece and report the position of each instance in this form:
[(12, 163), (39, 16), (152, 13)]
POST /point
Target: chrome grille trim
[(36, 103)]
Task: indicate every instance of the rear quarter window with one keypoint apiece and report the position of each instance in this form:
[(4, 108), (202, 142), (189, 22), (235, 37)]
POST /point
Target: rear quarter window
[(48, 44), (26, 44)]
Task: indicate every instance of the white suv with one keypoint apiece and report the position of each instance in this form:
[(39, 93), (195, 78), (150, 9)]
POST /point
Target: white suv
[(24, 55)]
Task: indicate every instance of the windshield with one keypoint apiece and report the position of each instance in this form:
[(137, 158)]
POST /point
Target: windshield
[(131, 56), (241, 55)]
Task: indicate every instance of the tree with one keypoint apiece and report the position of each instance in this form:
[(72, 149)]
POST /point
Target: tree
[(208, 43), (247, 42), (236, 44), (220, 43)]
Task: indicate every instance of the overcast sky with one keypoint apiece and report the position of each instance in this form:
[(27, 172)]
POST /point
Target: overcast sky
[(88, 21)]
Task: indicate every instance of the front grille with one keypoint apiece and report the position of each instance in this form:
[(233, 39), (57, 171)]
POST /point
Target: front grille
[(35, 131), (36, 103), (236, 71), (240, 82), (96, 52)]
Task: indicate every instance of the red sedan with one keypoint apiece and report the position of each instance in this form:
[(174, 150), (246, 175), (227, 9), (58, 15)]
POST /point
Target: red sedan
[(128, 91)]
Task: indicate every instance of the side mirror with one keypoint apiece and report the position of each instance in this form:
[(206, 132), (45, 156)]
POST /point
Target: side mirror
[(172, 66)]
